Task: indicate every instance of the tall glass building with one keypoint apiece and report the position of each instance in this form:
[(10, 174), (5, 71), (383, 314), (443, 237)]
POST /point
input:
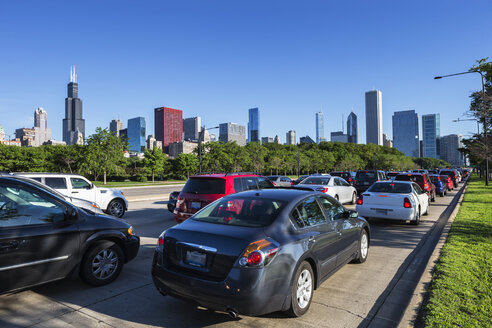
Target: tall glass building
[(254, 125), (352, 128), (374, 117), (136, 134), (320, 127), (406, 132), (431, 135)]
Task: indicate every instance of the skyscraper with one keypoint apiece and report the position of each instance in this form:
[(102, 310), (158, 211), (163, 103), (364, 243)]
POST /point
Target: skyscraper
[(406, 134), (431, 135), (232, 132), (73, 123), (449, 149), (352, 128), (290, 137), (42, 132), (168, 126), (374, 117), (254, 125), (387, 141), (191, 128), (338, 136), (320, 127), (136, 134), (115, 126)]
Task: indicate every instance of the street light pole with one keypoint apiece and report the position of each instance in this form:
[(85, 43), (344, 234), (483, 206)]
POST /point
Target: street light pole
[(484, 119)]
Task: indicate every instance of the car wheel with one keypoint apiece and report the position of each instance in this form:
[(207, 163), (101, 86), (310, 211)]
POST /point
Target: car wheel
[(417, 217), (363, 247), (116, 208), (102, 264), (302, 290), (354, 198), (433, 199), (441, 194)]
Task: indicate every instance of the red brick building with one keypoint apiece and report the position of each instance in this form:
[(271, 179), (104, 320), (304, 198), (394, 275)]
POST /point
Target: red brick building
[(168, 126)]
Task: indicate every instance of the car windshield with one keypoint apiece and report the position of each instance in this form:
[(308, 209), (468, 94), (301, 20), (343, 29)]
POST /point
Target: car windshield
[(204, 186), (317, 180), (241, 211), (392, 188)]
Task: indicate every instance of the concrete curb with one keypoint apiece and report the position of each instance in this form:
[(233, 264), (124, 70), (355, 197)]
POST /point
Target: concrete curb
[(412, 312)]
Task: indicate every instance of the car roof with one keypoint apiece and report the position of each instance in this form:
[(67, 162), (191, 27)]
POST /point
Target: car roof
[(285, 194), (393, 182), (45, 173), (224, 175)]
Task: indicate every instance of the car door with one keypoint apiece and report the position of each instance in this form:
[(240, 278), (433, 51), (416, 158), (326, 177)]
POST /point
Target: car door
[(81, 188), (322, 239), (38, 241), (347, 191)]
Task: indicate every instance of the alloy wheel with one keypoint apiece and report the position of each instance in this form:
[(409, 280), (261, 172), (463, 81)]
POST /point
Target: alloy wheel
[(304, 288), (104, 264)]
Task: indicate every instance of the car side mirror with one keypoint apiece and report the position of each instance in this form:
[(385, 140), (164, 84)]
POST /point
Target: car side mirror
[(71, 214), (351, 214)]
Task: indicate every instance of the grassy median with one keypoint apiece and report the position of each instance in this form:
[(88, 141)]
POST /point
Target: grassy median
[(461, 290)]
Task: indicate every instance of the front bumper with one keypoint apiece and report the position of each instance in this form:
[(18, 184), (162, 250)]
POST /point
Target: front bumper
[(132, 245)]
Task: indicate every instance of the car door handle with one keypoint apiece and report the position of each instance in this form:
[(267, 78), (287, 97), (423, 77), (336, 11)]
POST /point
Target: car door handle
[(8, 246)]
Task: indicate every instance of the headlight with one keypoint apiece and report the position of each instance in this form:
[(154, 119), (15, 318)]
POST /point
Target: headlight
[(130, 230)]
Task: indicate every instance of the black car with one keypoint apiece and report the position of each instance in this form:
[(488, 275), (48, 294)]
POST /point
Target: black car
[(171, 203), (299, 179), (365, 178), (44, 238), (348, 176), (259, 251)]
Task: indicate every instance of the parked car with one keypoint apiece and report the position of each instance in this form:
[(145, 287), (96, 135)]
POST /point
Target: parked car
[(110, 200), (365, 178), (422, 179), (171, 203), (391, 175), (259, 251), (201, 190), (396, 200), (441, 188), (336, 187), (280, 180), (299, 179), (44, 238), (447, 181), (452, 174), (420, 171), (348, 176)]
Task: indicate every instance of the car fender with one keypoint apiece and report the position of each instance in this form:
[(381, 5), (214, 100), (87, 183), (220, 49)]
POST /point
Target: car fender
[(111, 235)]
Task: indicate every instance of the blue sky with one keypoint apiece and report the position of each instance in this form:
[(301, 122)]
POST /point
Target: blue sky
[(216, 59)]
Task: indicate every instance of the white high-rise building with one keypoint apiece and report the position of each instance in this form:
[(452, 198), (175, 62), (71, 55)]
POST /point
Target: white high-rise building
[(41, 131), (374, 117), (449, 149), (320, 127), (290, 137)]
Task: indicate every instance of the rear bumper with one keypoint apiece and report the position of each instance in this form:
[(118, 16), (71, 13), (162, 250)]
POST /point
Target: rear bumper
[(392, 213), (248, 291), (132, 246), (181, 216)]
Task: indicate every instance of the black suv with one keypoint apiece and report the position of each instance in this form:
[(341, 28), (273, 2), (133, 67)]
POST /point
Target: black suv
[(44, 238), (365, 178)]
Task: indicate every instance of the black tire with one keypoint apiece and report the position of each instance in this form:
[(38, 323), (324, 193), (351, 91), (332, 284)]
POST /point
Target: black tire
[(336, 197), (116, 208), (295, 309), (441, 194), (417, 217), (433, 198), (106, 254), (361, 254), (354, 199)]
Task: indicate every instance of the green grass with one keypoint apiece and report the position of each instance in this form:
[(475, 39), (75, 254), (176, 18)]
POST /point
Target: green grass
[(112, 184), (461, 290)]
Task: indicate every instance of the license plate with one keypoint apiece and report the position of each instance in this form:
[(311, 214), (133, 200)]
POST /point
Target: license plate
[(381, 211), (366, 183), (196, 205), (196, 258)]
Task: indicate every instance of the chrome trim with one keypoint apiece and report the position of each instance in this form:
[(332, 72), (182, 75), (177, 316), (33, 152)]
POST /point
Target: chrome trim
[(201, 247), (22, 265)]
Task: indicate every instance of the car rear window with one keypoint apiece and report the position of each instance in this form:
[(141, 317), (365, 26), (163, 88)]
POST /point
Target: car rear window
[(414, 178), (241, 211), (204, 186), (271, 178), (366, 175), (434, 178), (392, 188), (392, 174), (317, 180)]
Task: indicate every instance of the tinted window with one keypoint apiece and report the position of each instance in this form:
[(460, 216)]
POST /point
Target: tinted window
[(204, 186), (20, 206), (241, 211), (56, 183), (332, 208), (249, 183), (434, 179), (308, 213), (366, 175), (264, 183), (344, 183), (37, 179), (417, 188), (238, 185), (414, 178), (392, 188), (272, 178), (78, 183), (317, 180)]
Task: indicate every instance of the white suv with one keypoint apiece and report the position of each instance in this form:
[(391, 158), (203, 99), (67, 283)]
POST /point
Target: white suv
[(111, 201)]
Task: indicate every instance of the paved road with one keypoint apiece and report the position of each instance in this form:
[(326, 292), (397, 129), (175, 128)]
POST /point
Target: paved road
[(347, 299), (133, 194)]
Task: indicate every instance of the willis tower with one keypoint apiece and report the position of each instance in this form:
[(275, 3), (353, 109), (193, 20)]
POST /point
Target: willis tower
[(73, 123)]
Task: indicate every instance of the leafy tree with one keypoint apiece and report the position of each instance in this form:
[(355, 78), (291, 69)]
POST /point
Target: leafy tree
[(186, 164), (154, 161)]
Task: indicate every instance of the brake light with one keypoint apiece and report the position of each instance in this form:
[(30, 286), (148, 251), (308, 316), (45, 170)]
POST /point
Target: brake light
[(360, 200), (274, 184), (292, 183), (426, 186), (406, 203), (325, 190), (260, 252), (160, 242), (350, 179)]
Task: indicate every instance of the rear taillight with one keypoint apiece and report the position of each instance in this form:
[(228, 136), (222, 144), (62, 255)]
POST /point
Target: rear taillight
[(406, 203), (325, 190), (426, 186), (292, 183), (350, 180), (179, 202), (260, 252), (360, 200), (274, 184), (160, 242)]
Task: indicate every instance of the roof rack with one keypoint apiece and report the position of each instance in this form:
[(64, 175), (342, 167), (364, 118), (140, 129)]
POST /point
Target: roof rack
[(241, 173)]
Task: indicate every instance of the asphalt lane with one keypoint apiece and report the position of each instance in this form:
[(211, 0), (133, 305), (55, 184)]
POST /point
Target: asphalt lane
[(344, 300)]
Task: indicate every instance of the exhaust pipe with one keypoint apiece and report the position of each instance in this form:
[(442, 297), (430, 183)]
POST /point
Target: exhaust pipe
[(232, 313)]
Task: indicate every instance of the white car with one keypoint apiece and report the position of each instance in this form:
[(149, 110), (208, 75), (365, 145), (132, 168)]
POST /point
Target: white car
[(334, 186), (111, 201), (397, 200)]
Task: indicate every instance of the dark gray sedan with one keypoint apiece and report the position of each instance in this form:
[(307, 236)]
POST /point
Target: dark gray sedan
[(259, 251)]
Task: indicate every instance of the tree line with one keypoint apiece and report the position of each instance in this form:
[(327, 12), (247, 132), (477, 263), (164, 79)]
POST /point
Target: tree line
[(102, 158)]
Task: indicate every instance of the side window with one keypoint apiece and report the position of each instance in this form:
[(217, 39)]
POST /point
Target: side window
[(20, 207), (249, 183), (78, 183), (333, 210), (37, 179), (336, 182), (264, 183), (344, 183), (308, 213), (56, 183), (417, 188), (283, 179), (238, 185)]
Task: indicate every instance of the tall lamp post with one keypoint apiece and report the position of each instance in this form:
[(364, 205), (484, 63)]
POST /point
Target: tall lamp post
[(484, 117), (200, 140)]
